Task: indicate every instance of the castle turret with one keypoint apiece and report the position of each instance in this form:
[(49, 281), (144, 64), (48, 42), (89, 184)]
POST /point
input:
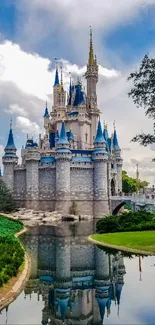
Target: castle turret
[(46, 141), (63, 158), (10, 159), (119, 160), (100, 158), (32, 178), (46, 119), (56, 88), (59, 95), (92, 79)]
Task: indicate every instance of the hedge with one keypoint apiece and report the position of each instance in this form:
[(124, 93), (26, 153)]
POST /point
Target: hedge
[(129, 221)]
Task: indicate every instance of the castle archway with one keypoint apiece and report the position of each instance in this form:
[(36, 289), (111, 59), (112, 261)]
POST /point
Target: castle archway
[(112, 187)]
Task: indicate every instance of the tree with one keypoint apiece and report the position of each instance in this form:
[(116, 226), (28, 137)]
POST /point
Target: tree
[(143, 184), (6, 201), (130, 185), (143, 95)]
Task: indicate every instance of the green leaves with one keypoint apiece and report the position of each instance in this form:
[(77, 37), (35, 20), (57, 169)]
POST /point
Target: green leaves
[(131, 221), (11, 257), (143, 95), (130, 185)]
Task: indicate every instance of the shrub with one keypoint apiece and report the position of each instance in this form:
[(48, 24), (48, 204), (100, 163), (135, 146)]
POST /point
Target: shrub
[(131, 221), (11, 252), (11, 257)]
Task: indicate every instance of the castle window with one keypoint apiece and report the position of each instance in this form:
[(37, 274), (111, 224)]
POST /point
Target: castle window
[(86, 137)]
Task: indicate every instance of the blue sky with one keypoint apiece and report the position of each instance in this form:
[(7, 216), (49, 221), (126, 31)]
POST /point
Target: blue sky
[(33, 33)]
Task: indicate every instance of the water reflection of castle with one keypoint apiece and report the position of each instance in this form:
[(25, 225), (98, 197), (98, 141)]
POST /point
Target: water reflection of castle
[(78, 281)]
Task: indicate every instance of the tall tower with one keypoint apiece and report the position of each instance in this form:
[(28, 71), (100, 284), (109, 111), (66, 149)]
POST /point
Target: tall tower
[(63, 157), (119, 160), (100, 158), (10, 159), (46, 143), (32, 178), (92, 79), (59, 94)]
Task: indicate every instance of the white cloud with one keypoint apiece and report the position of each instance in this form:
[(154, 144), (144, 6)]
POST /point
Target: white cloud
[(102, 13), (29, 72), (16, 109), (26, 126)]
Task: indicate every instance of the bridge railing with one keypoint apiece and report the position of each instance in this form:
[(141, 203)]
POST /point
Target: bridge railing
[(134, 198)]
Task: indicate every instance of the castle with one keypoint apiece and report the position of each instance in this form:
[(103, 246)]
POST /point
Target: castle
[(76, 162)]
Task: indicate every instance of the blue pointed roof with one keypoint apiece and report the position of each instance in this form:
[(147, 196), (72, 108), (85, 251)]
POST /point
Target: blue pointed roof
[(99, 135), (63, 136), (119, 287), (115, 141), (70, 135), (57, 135), (46, 114), (10, 144), (106, 136), (56, 82), (79, 94), (102, 304), (63, 303), (105, 132)]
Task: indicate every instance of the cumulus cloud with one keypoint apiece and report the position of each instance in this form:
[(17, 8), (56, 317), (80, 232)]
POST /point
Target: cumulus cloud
[(101, 13), (16, 109), (27, 126)]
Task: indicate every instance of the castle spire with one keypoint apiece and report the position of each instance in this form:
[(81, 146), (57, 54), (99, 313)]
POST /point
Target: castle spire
[(46, 114), (115, 140), (99, 134), (63, 136), (91, 52), (61, 80), (56, 82), (10, 143)]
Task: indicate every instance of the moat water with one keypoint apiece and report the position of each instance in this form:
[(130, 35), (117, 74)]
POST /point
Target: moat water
[(75, 282)]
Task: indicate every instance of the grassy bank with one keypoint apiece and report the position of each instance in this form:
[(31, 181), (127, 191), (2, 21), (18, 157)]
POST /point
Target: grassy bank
[(139, 240), (11, 252)]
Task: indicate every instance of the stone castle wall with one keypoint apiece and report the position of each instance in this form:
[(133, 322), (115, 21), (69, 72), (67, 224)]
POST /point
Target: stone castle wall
[(81, 184), (20, 184), (55, 186), (47, 183)]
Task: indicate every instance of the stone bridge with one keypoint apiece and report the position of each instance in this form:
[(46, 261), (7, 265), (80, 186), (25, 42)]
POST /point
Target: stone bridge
[(138, 202)]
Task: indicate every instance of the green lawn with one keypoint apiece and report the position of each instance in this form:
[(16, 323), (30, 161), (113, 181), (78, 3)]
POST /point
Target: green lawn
[(11, 251), (9, 226), (139, 240)]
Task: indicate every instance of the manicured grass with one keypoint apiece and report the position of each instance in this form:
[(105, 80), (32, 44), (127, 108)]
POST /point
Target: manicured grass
[(139, 240)]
